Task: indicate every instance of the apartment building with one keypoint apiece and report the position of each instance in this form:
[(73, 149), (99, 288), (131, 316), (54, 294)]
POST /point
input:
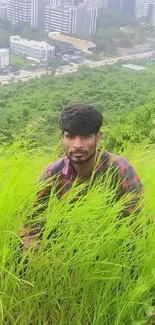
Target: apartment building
[(80, 20), (127, 7), (76, 2), (144, 9), (95, 3), (41, 51), (19, 11), (61, 19), (61, 3), (86, 20), (38, 12), (3, 10), (153, 15)]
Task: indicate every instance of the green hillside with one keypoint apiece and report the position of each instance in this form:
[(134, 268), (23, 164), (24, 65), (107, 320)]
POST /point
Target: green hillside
[(91, 268), (97, 270), (114, 90)]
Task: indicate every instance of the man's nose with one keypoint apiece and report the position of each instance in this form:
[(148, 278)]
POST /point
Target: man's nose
[(78, 143)]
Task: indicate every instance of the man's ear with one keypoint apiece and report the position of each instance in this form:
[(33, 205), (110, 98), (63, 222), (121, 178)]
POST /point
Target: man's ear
[(98, 135)]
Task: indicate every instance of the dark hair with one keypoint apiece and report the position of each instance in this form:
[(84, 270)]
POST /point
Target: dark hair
[(80, 119)]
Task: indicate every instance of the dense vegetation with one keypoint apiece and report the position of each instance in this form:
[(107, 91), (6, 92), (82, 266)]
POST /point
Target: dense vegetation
[(109, 18), (22, 29), (94, 269), (121, 95), (115, 30)]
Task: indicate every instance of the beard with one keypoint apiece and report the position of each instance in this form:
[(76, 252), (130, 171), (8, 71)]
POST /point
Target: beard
[(80, 160)]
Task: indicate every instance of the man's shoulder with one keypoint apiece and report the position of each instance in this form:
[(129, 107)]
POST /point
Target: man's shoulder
[(116, 161), (121, 162), (56, 166), (53, 169)]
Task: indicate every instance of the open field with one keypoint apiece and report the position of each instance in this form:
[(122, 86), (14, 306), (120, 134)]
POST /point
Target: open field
[(91, 268)]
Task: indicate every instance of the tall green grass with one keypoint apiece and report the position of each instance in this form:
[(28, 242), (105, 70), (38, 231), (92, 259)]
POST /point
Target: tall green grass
[(92, 268)]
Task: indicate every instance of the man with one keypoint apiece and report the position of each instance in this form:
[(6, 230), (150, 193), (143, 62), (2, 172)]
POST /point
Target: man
[(80, 126)]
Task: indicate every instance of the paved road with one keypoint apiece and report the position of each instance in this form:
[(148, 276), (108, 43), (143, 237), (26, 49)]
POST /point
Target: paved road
[(27, 75)]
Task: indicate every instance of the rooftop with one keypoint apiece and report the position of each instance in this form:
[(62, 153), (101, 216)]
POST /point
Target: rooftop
[(76, 42), (36, 44), (4, 51)]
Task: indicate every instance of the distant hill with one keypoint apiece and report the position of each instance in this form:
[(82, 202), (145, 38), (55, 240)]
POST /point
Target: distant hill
[(119, 94)]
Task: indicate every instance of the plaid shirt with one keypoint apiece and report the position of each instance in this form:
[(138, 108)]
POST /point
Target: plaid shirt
[(63, 175)]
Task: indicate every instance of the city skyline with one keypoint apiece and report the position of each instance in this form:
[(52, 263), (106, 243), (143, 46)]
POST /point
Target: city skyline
[(78, 20), (75, 16)]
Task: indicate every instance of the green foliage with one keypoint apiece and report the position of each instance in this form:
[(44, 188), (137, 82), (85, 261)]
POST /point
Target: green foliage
[(22, 29), (16, 62), (109, 36), (137, 127), (115, 91), (104, 40), (56, 62), (91, 268), (115, 30), (4, 39), (108, 19), (33, 33)]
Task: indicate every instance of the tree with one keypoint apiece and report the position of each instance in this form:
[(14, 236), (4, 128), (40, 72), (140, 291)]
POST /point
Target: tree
[(6, 25), (56, 62), (126, 42), (4, 39), (107, 19)]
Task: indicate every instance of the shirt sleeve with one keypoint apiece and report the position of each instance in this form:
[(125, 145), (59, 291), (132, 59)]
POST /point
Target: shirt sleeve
[(130, 183)]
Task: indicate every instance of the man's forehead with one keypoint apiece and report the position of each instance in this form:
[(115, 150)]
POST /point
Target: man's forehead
[(78, 135)]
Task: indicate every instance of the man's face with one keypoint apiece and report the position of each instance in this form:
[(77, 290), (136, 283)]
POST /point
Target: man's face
[(80, 149)]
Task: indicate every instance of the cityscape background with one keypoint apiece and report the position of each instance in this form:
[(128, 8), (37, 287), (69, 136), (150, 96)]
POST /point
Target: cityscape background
[(72, 16), (52, 33)]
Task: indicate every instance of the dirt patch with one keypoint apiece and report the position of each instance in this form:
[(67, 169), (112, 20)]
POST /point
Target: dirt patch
[(135, 49)]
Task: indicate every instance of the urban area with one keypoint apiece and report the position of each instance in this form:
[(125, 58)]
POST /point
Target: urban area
[(57, 36)]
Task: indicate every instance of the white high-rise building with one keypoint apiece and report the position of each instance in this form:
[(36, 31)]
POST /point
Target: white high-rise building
[(55, 3), (3, 10), (80, 20), (95, 3), (61, 19), (153, 16), (143, 8), (38, 12), (34, 13), (58, 3), (86, 20), (19, 11)]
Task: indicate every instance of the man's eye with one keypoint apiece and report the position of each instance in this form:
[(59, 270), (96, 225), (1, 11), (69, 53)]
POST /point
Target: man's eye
[(69, 136), (86, 136)]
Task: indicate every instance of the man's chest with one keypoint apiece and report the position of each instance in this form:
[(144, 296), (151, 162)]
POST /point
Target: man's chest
[(78, 188)]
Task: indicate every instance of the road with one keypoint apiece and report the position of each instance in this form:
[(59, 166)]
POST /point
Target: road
[(27, 75)]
